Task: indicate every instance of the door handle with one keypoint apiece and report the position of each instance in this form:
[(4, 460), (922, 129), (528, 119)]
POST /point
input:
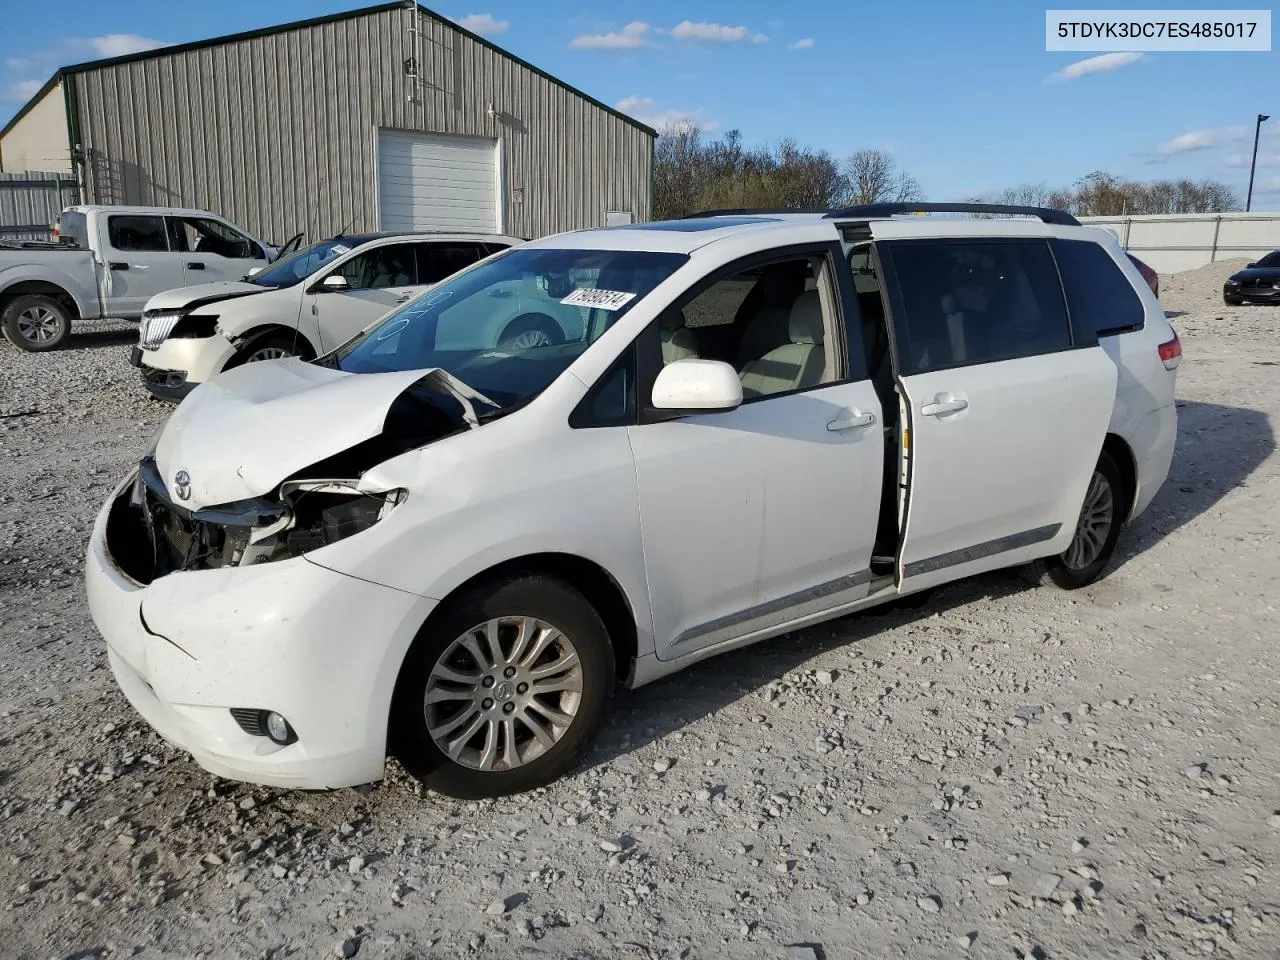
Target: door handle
[(195, 266), (852, 419), (117, 265), (943, 404), (142, 266)]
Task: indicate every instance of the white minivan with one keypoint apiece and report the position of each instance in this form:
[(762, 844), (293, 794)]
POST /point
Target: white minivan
[(304, 304), (453, 551)]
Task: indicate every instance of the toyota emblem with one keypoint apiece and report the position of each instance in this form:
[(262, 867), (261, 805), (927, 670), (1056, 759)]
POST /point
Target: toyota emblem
[(182, 485)]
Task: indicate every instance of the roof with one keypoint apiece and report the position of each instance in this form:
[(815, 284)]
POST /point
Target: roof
[(686, 236), (302, 24)]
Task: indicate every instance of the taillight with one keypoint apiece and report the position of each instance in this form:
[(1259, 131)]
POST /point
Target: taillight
[(1171, 353)]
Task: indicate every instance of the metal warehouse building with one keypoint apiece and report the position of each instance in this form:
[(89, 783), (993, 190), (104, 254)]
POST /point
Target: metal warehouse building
[(389, 117)]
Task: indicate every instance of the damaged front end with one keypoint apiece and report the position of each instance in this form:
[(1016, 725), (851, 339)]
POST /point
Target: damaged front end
[(150, 535), (151, 532)]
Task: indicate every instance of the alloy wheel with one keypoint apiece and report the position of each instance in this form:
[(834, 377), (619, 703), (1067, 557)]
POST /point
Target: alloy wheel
[(503, 693), (529, 339), (268, 353), (1094, 525), (38, 324)]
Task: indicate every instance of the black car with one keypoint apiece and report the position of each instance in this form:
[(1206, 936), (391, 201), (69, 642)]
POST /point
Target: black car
[(1259, 282)]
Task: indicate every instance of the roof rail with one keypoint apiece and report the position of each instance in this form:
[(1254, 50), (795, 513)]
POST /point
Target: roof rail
[(749, 211), (872, 211)]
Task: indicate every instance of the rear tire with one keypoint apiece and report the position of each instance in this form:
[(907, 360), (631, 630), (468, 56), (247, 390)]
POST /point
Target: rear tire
[(36, 322), (1097, 531), (548, 635)]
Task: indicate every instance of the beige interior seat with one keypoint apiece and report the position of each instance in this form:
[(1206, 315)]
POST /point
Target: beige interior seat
[(796, 364), (678, 341)]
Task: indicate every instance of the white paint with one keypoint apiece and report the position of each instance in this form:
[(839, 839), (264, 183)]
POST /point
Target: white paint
[(696, 518), (430, 181)]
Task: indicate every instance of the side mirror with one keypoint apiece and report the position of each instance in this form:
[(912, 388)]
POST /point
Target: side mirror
[(334, 282), (1251, 266), (697, 386), (253, 272)]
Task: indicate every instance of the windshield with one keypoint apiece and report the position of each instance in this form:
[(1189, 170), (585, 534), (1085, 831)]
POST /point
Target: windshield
[(510, 326), (301, 263), (1270, 260)]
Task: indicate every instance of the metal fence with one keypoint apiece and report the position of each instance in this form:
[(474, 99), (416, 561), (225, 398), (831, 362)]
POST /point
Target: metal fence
[(1183, 241), (30, 200)]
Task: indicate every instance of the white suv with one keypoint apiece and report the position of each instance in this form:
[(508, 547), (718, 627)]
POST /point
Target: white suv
[(303, 304), (454, 551)]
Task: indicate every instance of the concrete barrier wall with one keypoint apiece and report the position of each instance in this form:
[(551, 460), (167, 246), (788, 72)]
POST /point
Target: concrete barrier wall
[(1184, 241)]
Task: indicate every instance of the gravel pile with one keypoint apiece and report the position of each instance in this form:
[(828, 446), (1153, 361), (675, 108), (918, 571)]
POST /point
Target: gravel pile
[(999, 772)]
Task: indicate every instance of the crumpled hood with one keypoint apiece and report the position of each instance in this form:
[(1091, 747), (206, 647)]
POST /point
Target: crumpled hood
[(242, 433), (203, 293)]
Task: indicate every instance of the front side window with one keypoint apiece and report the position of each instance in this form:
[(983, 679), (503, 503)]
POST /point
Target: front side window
[(973, 301), (773, 322), (301, 264), (128, 232), (513, 324), (202, 235), (388, 266), (1099, 295)]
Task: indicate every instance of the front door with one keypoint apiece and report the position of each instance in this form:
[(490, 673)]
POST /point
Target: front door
[(378, 280), (1008, 404), (766, 514), (139, 262), (213, 251)]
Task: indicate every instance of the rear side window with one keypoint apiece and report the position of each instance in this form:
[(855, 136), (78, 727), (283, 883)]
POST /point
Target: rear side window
[(137, 233), (1099, 295), (439, 260), (965, 302), (380, 268)]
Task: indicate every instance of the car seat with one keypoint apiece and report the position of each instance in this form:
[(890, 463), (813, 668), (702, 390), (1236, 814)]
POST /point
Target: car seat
[(797, 363)]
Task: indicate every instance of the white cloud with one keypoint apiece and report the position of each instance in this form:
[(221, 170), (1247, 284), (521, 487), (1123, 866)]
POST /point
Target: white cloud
[(642, 108), (634, 104), (484, 24), (1241, 160), (122, 44), (22, 91), (1101, 64), (631, 37), (1266, 186), (715, 33), (805, 44), (1188, 142)]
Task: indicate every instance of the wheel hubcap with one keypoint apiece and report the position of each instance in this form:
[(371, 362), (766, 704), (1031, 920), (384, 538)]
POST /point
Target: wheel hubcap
[(503, 693), (38, 324), (268, 353), (530, 339), (1094, 525)]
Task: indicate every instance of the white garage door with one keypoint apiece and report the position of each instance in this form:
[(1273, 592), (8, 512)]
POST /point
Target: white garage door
[(429, 181)]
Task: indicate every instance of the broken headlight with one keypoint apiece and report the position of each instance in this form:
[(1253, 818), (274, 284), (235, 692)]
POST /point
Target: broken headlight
[(319, 512)]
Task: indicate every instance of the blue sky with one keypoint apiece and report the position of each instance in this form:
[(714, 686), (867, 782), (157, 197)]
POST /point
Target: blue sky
[(963, 94)]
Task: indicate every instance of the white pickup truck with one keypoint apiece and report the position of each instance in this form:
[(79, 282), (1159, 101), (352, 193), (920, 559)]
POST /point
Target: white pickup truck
[(109, 261)]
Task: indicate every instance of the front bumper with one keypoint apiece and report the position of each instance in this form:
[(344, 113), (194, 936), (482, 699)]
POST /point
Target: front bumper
[(1253, 294), (322, 648), (180, 364)]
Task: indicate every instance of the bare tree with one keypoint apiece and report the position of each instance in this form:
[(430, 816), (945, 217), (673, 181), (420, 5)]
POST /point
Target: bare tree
[(1026, 195), (873, 177), (1101, 194)]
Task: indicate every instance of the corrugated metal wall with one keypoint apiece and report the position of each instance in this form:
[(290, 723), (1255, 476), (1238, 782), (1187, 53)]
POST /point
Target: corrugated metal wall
[(277, 132), (30, 201)]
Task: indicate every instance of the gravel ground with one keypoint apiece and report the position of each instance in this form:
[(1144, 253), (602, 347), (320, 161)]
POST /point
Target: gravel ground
[(1001, 772)]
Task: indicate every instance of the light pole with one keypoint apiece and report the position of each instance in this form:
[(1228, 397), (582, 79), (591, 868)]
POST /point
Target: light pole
[(1257, 128)]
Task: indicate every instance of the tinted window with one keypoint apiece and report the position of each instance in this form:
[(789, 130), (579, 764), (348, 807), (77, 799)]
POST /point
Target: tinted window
[(439, 260), (1099, 295), (970, 302), (1270, 260), (137, 233), (201, 235), (381, 267)]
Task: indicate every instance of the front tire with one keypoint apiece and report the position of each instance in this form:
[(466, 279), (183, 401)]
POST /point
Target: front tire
[(531, 330), (1232, 301), (273, 346), (36, 322), (1097, 531), (504, 689)]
